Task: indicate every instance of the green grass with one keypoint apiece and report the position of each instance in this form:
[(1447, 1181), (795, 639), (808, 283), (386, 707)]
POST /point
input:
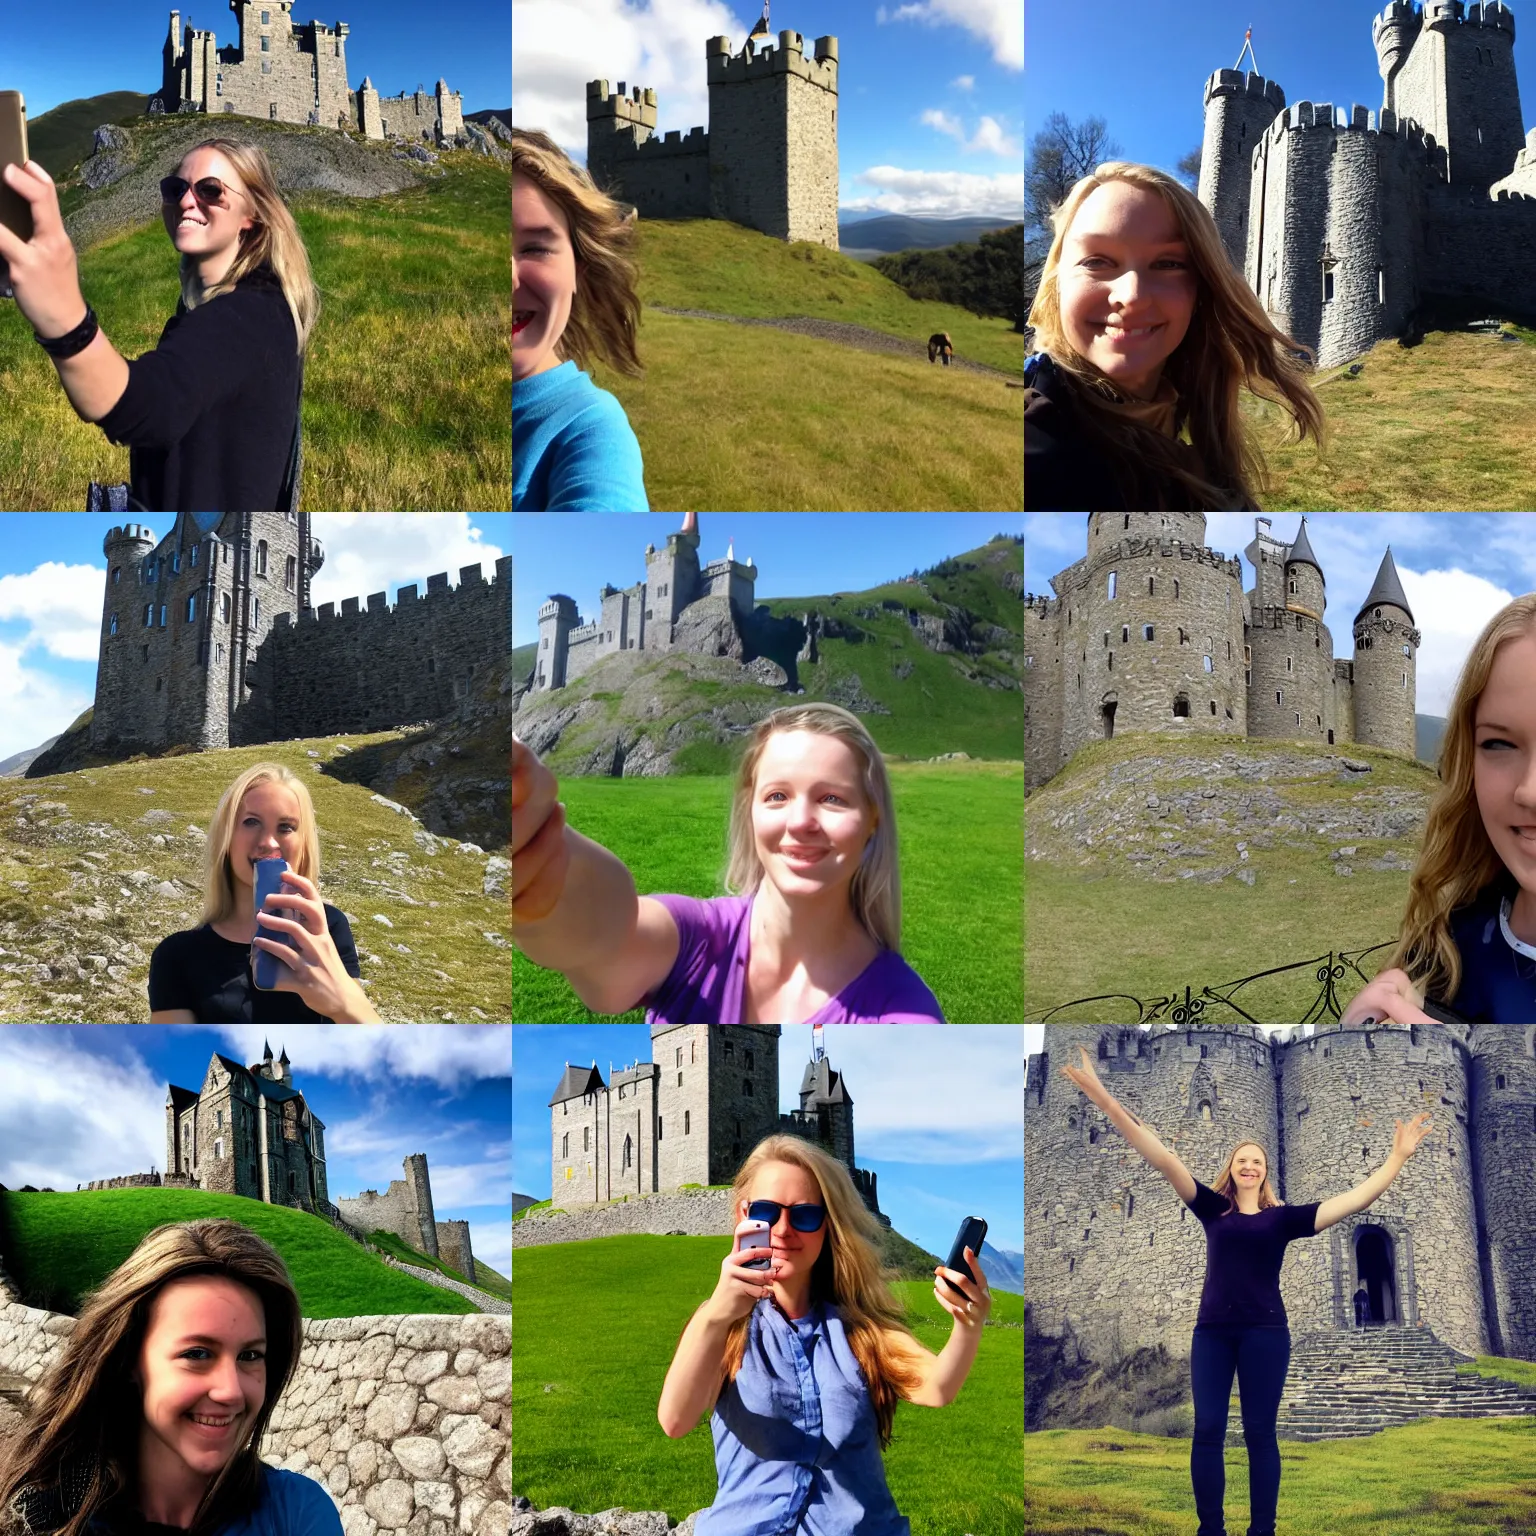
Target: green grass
[(961, 865), (407, 391), (59, 1247), (596, 1324), (1437, 1477), (64, 135), (484, 1279)]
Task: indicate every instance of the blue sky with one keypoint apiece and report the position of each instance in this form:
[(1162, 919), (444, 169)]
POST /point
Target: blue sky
[(57, 53), (797, 554), (83, 1104), (930, 93), (1142, 65), (53, 580), (1457, 568), (937, 1113)]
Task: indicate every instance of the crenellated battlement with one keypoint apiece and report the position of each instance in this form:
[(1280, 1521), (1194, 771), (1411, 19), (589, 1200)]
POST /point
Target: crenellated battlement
[(1398, 135), (471, 582), (756, 62), (694, 142), (1444, 15), (638, 107), (1236, 82)]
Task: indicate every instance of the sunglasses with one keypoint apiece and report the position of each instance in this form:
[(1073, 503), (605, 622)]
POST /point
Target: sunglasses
[(209, 190), (803, 1218)]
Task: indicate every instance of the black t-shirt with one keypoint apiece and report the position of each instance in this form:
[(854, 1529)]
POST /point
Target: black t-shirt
[(200, 970), (208, 416), (1242, 1260)]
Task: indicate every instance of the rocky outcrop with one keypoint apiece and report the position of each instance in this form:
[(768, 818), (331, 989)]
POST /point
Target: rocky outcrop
[(618, 1521), (709, 627)]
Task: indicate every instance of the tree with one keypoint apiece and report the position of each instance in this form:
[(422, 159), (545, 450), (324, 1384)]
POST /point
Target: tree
[(1060, 155), (1189, 169)]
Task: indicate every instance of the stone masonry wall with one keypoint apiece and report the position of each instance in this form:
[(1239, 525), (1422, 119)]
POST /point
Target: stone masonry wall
[(405, 1209), (1383, 701), (694, 1212)]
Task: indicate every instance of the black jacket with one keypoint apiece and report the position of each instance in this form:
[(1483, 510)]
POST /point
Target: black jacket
[(208, 416)]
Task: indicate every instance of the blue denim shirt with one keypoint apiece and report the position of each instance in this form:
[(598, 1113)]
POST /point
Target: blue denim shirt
[(796, 1446)]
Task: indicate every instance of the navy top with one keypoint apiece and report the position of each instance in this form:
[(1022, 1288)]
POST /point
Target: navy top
[(289, 1504), (1498, 971), (1242, 1260)]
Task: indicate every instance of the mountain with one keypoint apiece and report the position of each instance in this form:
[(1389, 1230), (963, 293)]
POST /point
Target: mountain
[(1003, 1268), (62, 137), (900, 232), (15, 767), (519, 1202), (1427, 731)]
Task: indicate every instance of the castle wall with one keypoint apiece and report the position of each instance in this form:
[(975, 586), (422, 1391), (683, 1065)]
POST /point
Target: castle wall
[(431, 115), (668, 177), (1478, 250), (1292, 657), (1238, 109), (1386, 678), (684, 1082), (1043, 728), (405, 1209), (583, 653), (455, 1250), (578, 1149), (277, 72)]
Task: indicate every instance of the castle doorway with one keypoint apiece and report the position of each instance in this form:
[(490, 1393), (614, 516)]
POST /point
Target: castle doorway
[(1107, 710), (1330, 738), (1376, 1271)]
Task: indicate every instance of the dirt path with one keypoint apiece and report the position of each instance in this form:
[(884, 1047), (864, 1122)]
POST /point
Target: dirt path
[(835, 330)]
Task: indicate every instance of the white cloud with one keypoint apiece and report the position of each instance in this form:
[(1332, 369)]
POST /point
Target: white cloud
[(449, 1056), (939, 194), (989, 137), (368, 551), (61, 605), (964, 82), (999, 23), (944, 123)]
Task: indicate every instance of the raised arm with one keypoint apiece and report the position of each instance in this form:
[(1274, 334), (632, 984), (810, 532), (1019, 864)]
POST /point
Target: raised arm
[(1140, 1136)]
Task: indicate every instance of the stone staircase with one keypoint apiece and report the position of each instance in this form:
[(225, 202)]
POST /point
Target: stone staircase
[(1344, 1383)]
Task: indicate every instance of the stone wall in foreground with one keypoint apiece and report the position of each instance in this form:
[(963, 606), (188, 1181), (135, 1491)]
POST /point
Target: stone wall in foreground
[(694, 1213)]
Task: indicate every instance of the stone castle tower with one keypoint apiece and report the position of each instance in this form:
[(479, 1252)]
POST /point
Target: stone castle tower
[(649, 615), (405, 1209), (1152, 631), (208, 639), (292, 73), (692, 1115), (1351, 228), (1450, 1246), (769, 160)]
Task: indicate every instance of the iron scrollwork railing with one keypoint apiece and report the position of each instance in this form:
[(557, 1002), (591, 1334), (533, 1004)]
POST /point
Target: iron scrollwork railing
[(1207, 1005)]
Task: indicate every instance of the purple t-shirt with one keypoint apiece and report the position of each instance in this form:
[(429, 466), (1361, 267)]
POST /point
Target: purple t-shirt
[(706, 981), (1242, 1260)]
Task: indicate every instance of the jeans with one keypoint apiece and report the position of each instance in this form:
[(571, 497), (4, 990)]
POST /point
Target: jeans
[(1260, 1358)]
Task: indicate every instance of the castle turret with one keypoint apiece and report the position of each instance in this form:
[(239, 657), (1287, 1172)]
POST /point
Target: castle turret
[(616, 125), (1238, 109), (123, 615), (1394, 32), (557, 618), (1385, 668), (671, 583), (1306, 590)]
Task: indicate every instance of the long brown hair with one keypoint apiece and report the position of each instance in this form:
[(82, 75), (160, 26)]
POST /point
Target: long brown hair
[(1226, 1181), (605, 309), (274, 239), (1231, 344), (1456, 859), (78, 1447), (848, 1274), (219, 904)]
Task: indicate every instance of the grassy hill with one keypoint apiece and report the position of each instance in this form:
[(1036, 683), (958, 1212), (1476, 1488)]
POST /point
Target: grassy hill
[(58, 1247), (83, 856), (407, 389), (1163, 879), (596, 1326), (485, 1278), (62, 137), (748, 418)]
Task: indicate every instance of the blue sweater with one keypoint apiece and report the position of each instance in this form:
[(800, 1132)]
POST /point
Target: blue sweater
[(573, 449)]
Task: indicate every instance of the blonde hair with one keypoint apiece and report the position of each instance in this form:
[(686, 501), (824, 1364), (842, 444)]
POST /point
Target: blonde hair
[(1231, 344), (605, 309), (274, 239), (219, 902), (1226, 1181), (875, 890), (1456, 859), (849, 1274), (78, 1447)]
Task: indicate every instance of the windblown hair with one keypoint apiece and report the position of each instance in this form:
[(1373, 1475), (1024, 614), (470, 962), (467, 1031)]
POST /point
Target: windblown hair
[(1456, 859), (219, 903), (274, 239), (77, 1450), (875, 890), (1231, 344), (848, 1274), (605, 310), (1226, 1182)]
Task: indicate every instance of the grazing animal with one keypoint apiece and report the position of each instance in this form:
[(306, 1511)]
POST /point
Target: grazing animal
[(939, 343)]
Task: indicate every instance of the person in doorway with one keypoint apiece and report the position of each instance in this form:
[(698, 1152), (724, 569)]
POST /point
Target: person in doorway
[(1362, 1307), (1242, 1327)]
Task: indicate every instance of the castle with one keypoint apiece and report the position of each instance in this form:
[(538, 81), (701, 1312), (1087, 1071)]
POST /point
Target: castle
[(294, 74), (1152, 631), (1110, 1249), (692, 1115), (1351, 228), (208, 639), (769, 160), (648, 615)]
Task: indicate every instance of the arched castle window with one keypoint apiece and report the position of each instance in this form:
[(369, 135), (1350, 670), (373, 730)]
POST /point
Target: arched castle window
[(1146, 631), (586, 1138), (1180, 707), (1111, 591), (176, 562), (749, 1061), (261, 557), (1205, 1104), (218, 1147), (1378, 613), (1298, 622), (1111, 661), (1213, 701), (117, 573), (1151, 586), (255, 613), (565, 1144), (1405, 682), (1288, 666), (162, 615), (1208, 665), (191, 607), (113, 629), (1106, 637), (687, 1121), (1175, 589), (627, 1152), (1278, 699), (290, 567), (1125, 634), (1298, 717), (746, 1087), (1293, 588), (149, 615), (679, 1079), (730, 1050), (224, 605)]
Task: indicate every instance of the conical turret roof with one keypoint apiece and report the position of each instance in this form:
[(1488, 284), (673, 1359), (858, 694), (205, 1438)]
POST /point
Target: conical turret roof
[(1387, 588), (1301, 551)]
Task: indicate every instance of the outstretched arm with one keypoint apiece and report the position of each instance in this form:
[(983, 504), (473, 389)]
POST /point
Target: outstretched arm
[(1404, 1144)]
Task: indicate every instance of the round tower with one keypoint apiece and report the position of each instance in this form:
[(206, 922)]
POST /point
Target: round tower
[(557, 618), (1504, 1118), (1238, 109), (1108, 1247), (1394, 33), (1385, 666), (1342, 1091), (122, 615)]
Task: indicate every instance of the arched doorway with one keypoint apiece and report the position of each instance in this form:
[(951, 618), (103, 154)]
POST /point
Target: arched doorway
[(1107, 711), (1376, 1271)]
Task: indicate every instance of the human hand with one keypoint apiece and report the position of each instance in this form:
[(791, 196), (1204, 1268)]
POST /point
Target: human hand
[(1086, 1078), (1406, 1142), (1390, 999), (313, 970), (739, 1288), (540, 860), (42, 274), (976, 1307)]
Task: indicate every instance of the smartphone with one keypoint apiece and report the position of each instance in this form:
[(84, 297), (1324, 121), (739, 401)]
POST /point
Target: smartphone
[(269, 874), (973, 1231), (758, 1234), (15, 210)]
